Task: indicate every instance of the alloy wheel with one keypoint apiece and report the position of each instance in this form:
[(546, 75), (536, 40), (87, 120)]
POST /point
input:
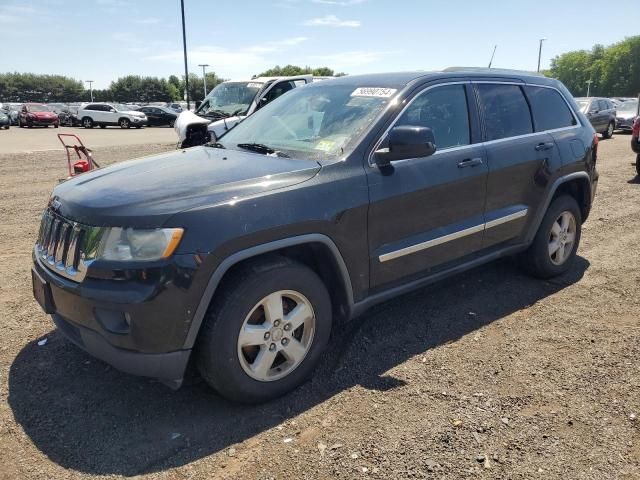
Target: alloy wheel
[(562, 238), (276, 335)]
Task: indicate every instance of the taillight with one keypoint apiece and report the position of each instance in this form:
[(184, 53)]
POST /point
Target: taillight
[(635, 133)]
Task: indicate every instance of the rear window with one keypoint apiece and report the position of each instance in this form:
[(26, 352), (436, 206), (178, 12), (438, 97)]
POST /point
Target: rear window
[(506, 112), (550, 111)]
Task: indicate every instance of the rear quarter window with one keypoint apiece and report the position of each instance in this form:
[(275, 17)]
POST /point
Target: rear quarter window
[(550, 111), (505, 111)]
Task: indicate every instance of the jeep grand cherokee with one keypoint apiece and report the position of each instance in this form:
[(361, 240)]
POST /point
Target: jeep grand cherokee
[(341, 194)]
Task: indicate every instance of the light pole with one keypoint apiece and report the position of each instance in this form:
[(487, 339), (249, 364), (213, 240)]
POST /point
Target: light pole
[(589, 82), (90, 82), (204, 77), (184, 46), (540, 52)]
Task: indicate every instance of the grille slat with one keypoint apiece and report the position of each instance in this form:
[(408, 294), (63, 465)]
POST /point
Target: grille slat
[(60, 245)]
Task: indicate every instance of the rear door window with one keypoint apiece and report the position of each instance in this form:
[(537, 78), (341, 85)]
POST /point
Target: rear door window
[(604, 105), (444, 110), (505, 111), (550, 111)]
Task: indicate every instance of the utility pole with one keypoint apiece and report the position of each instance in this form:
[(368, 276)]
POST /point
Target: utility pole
[(184, 46), (493, 55), (204, 77), (90, 82), (540, 52), (589, 82)]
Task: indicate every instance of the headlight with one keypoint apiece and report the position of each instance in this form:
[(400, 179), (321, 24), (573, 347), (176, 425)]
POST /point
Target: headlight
[(128, 244)]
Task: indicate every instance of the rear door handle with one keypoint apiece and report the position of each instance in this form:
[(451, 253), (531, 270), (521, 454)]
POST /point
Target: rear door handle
[(470, 162), (544, 146)]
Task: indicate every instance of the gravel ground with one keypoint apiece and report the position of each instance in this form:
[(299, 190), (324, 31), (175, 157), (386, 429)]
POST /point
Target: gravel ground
[(487, 375)]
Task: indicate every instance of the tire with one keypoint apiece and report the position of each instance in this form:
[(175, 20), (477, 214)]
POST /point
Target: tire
[(538, 260), (20, 124), (638, 164), (225, 364), (608, 133), (56, 125), (124, 123), (87, 122), (171, 123), (103, 126), (138, 127)]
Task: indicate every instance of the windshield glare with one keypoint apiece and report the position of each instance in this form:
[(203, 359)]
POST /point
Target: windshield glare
[(38, 108), (230, 98), (583, 105), (630, 106), (314, 122)]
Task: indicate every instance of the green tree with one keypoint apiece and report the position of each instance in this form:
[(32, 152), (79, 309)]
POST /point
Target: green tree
[(31, 87), (290, 70), (613, 70)]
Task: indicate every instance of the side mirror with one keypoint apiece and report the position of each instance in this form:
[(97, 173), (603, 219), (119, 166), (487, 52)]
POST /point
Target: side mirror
[(405, 142)]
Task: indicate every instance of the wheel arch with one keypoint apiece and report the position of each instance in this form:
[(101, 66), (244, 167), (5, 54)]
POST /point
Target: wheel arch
[(578, 185), (317, 251)]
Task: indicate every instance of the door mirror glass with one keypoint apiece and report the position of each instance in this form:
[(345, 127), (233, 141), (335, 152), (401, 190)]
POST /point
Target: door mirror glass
[(406, 141)]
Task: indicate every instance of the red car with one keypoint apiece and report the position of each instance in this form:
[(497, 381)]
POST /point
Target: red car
[(36, 114)]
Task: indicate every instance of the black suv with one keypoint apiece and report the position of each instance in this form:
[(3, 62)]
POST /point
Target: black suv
[(601, 112), (339, 195)]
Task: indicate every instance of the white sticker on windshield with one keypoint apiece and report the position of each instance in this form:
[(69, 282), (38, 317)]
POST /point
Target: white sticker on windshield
[(373, 92), (254, 85)]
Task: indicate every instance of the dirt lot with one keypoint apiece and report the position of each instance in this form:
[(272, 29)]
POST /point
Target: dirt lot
[(23, 140), (488, 375)]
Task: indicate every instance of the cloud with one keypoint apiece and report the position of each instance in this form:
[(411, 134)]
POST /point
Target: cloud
[(17, 13), (339, 3), (237, 63), (331, 21)]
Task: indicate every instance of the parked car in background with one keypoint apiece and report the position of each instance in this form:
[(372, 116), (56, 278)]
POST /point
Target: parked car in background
[(159, 116), (229, 103), (635, 136), (5, 121), (37, 114), (626, 113), (13, 111), (106, 114), (242, 255), (177, 106), (601, 113), (69, 117)]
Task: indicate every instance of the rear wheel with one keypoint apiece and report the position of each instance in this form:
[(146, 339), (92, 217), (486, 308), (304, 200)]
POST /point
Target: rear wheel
[(124, 123), (87, 122), (265, 331), (608, 133), (554, 247), (638, 164)]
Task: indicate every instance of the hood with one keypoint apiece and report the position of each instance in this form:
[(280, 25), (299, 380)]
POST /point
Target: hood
[(43, 114), (627, 114), (146, 192), (135, 113)]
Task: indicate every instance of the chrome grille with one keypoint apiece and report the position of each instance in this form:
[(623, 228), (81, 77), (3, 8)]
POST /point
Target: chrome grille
[(63, 248)]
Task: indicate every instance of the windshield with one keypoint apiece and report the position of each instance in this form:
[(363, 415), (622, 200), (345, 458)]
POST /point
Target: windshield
[(583, 105), (630, 107), (317, 122), (38, 108), (230, 98)]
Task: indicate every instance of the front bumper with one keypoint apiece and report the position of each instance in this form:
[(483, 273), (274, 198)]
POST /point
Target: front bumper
[(139, 121), (43, 121), (138, 328)]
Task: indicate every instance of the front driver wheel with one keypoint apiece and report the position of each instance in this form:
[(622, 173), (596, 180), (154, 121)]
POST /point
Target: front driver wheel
[(265, 331), (554, 247), (608, 133), (124, 123)]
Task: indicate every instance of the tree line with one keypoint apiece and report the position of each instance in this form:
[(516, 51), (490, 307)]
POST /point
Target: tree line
[(31, 87), (614, 70)]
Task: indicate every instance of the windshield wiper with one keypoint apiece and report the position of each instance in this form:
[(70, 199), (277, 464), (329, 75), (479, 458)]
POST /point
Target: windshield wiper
[(261, 148)]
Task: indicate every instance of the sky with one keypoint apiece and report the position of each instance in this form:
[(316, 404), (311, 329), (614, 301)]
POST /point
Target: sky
[(101, 40)]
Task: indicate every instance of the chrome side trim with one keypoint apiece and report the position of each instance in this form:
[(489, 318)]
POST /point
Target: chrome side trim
[(506, 218), (452, 236), (431, 243)]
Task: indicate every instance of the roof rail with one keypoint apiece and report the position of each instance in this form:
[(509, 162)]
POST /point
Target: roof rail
[(492, 70)]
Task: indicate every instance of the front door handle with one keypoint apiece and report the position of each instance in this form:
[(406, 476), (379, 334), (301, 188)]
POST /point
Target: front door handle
[(544, 146), (470, 162)]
